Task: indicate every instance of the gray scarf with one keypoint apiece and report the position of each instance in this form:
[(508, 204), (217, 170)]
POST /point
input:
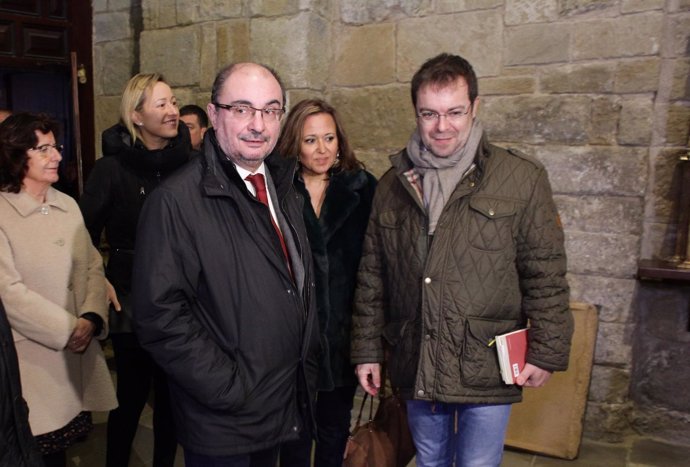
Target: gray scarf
[(440, 175)]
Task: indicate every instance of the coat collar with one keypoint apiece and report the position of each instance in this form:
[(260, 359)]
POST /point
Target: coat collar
[(215, 177), (25, 204), (342, 198), (118, 142)]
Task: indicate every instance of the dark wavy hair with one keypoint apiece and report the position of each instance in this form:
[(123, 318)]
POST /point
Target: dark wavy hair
[(17, 136), (290, 141)]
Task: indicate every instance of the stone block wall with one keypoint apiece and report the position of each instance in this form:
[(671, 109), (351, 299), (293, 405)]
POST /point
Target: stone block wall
[(598, 90)]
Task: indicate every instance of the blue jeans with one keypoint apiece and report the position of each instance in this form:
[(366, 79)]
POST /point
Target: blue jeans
[(477, 441)]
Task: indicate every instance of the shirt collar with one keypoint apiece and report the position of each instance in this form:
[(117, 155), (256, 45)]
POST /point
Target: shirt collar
[(244, 173)]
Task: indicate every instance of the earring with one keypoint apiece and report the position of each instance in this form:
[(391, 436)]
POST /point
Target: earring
[(140, 123)]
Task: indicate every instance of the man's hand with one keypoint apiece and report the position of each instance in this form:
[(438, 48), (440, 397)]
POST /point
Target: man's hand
[(369, 376), (112, 296), (532, 376), (81, 335)]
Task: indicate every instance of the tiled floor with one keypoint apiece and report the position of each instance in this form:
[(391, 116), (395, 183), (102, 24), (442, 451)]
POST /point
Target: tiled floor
[(635, 452)]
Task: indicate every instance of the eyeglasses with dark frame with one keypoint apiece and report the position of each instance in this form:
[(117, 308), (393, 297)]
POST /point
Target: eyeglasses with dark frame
[(246, 112), (44, 149), (429, 116)]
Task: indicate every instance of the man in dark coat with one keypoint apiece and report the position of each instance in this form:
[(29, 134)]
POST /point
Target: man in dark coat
[(17, 445), (223, 284)]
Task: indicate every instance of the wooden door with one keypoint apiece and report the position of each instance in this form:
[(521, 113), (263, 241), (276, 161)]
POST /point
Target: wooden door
[(46, 65)]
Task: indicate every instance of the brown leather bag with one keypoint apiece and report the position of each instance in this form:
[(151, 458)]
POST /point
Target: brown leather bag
[(385, 440)]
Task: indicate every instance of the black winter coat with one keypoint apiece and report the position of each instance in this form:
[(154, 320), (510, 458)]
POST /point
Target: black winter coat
[(114, 195), (336, 238), (216, 306), (17, 445)]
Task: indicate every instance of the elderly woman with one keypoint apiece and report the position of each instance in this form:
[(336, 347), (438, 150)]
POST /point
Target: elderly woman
[(52, 285), (147, 145), (338, 193)]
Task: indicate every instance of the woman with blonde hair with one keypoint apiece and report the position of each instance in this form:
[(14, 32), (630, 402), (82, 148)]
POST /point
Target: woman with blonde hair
[(338, 193), (147, 145), (52, 285)]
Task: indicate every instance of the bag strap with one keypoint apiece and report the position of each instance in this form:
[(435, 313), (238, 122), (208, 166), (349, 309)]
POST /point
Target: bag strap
[(358, 423)]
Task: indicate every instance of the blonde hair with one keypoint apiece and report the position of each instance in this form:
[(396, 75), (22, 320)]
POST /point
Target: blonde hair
[(133, 98)]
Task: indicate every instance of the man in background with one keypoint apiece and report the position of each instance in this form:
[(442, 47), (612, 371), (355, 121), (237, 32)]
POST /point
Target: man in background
[(197, 121)]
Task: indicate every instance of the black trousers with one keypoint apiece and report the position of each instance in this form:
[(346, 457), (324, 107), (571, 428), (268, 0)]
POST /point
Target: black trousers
[(135, 374), (333, 409), (265, 458), (56, 459)]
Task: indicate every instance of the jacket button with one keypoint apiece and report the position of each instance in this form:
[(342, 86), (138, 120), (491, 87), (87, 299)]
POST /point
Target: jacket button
[(427, 337), (295, 429), (491, 212), (472, 184), (420, 392), (427, 280)]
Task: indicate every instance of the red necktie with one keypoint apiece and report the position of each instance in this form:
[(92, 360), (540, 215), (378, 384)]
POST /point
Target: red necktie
[(257, 180)]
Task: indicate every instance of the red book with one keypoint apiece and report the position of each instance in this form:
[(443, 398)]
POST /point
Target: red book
[(512, 351)]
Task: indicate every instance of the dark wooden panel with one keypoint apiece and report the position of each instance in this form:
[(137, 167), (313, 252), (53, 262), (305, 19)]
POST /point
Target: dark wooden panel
[(43, 42), (30, 7), (6, 38), (57, 9)]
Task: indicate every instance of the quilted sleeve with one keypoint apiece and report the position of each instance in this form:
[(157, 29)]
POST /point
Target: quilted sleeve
[(541, 263), (368, 315)]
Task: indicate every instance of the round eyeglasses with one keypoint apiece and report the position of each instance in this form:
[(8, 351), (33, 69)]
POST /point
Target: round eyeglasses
[(246, 112)]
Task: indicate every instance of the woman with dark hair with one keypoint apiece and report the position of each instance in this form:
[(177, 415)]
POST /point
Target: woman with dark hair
[(52, 285), (338, 193), (147, 145)]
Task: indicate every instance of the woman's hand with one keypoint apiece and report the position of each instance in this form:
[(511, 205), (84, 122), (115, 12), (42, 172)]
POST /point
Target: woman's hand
[(81, 335), (112, 296)]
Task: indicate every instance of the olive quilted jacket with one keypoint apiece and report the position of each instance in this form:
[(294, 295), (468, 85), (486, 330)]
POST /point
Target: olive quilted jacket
[(431, 307)]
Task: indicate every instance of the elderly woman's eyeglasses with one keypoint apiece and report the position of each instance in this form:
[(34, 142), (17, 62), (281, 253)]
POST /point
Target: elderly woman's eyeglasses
[(247, 112), (44, 149)]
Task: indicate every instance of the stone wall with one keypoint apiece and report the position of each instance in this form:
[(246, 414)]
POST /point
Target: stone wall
[(596, 89)]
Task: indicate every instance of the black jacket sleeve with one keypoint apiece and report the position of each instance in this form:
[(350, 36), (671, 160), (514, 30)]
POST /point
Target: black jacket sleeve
[(165, 280), (95, 202)]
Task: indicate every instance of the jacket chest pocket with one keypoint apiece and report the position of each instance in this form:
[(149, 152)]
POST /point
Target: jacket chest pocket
[(490, 223)]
